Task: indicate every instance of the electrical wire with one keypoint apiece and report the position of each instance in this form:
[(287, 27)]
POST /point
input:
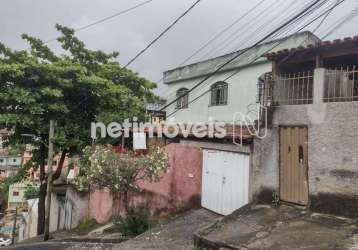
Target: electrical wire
[(214, 38), (162, 33), (346, 19), (243, 51), (252, 35), (104, 19), (306, 25)]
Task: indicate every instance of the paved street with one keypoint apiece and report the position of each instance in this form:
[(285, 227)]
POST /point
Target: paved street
[(177, 234), (63, 246)]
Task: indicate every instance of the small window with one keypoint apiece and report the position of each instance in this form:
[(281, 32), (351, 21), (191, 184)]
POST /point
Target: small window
[(15, 193), (14, 160), (1, 160), (219, 93), (182, 102)]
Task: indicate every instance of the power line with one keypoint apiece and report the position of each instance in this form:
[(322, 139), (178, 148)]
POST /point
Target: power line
[(315, 19), (105, 19), (346, 19), (243, 51), (163, 33), (221, 33), (285, 19), (214, 38), (240, 29), (323, 20), (246, 25)]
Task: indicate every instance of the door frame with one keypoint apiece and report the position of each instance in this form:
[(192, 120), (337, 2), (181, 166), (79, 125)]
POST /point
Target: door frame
[(279, 162)]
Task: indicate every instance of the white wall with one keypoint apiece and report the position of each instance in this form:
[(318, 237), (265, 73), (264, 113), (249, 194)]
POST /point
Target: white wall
[(242, 91), (242, 87)]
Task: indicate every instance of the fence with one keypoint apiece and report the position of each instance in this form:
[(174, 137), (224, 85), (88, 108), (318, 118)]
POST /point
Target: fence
[(290, 89), (341, 85)]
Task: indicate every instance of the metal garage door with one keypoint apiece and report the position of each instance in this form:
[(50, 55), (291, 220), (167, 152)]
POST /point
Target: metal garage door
[(225, 185)]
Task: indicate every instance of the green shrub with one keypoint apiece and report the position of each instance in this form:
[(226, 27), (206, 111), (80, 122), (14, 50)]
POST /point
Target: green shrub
[(135, 223), (85, 227)]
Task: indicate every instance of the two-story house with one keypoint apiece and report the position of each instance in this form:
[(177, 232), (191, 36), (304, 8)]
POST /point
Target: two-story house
[(310, 153), (224, 174)]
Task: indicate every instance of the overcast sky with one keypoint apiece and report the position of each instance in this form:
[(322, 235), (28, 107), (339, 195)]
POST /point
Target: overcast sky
[(132, 31)]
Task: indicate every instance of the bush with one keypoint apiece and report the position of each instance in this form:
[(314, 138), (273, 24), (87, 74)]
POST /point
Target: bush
[(135, 223), (85, 227)]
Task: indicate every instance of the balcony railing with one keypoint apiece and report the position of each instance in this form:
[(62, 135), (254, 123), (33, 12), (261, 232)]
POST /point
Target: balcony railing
[(290, 89), (341, 85)]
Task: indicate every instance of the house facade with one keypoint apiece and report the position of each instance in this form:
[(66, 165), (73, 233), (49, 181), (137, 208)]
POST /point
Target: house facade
[(309, 154), (16, 195), (226, 173), (233, 89)]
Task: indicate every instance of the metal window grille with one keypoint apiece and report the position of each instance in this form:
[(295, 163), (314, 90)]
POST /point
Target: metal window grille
[(293, 89), (341, 85), (219, 92), (182, 102)]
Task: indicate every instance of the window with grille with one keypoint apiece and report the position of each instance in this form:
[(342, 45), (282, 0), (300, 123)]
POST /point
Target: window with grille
[(182, 102), (219, 93)]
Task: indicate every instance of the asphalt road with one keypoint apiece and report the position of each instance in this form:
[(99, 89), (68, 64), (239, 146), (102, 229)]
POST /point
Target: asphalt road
[(177, 234), (62, 246)]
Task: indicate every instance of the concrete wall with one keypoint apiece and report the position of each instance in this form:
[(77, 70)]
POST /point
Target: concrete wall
[(57, 210), (179, 188), (80, 206), (332, 154)]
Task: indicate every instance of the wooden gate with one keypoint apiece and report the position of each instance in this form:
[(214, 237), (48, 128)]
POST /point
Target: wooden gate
[(294, 165), (225, 185)]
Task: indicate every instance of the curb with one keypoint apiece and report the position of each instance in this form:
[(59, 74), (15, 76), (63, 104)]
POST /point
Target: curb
[(92, 240), (202, 242)]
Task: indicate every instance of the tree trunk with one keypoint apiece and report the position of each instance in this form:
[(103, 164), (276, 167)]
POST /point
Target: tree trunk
[(125, 201), (43, 187), (59, 168)]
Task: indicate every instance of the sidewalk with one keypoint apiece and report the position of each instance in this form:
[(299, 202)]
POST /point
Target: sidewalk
[(283, 228)]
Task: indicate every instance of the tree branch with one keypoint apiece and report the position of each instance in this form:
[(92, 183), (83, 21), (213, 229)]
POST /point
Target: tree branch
[(57, 174)]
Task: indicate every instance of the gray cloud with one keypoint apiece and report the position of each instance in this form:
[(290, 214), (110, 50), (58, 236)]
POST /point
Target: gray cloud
[(132, 31)]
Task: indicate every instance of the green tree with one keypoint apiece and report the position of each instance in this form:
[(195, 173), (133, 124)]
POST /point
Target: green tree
[(74, 89)]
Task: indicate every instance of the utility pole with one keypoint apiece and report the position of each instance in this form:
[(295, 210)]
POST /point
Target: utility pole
[(49, 181), (14, 228)]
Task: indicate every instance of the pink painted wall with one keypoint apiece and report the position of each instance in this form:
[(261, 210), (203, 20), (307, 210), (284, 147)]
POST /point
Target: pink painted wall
[(179, 188)]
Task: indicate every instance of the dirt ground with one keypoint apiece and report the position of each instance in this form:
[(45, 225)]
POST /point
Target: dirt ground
[(264, 227)]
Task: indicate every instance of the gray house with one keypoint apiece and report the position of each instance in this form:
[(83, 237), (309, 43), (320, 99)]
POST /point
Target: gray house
[(309, 154)]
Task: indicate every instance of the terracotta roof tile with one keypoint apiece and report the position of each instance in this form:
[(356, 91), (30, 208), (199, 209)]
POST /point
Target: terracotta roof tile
[(312, 46)]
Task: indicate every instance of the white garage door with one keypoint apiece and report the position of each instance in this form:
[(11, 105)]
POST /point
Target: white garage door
[(225, 184)]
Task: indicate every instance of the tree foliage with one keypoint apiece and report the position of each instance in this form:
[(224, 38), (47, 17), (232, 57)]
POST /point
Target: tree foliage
[(120, 173), (75, 88)]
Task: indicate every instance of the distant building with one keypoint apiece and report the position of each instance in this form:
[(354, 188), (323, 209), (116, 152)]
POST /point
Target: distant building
[(9, 164), (153, 112), (17, 195)]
